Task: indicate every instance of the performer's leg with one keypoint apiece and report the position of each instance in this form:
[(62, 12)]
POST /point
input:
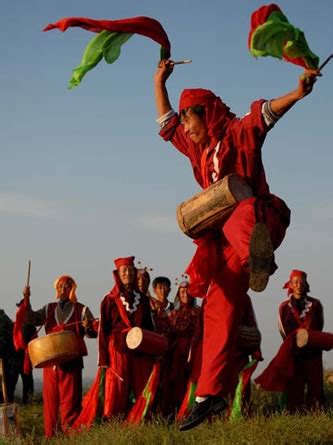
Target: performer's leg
[(50, 400), (223, 310), (296, 389), (255, 229), (70, 394), (116, 382), (313, 368), (141, 366), (28, 387)]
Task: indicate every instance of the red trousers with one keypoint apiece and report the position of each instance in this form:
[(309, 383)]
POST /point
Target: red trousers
[(62, 394), (225, 299), (128, 371), (308, 374)]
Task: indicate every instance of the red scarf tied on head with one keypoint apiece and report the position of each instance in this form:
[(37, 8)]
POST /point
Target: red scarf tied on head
[(217, 114), (296, 273)]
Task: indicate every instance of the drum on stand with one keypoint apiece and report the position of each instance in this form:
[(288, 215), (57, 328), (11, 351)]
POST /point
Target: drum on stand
[(212, 206), (138, 339), (54, 349)]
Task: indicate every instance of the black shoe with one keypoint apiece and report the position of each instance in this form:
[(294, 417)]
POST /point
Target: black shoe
[(200, 411), (261, 260)]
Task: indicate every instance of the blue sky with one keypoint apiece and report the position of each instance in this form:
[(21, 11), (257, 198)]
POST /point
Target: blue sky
[(85, 177)]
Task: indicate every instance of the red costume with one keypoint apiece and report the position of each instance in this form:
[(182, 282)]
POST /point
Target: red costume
[(62, 384), (183, 322), (125, 370), (306, 313), (219, 268)]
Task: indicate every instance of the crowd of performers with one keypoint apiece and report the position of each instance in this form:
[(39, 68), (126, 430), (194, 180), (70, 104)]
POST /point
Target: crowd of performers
[(212, 349), (133, 385)]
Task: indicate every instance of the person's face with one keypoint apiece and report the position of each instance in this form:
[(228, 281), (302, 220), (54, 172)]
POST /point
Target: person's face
[(64, 289), (298, 286), (143, 283), (183, 295), (162, 291), (126, 274), (195, 127)]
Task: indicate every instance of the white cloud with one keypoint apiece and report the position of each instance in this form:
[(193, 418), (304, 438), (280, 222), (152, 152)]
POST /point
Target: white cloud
[(20, 205)]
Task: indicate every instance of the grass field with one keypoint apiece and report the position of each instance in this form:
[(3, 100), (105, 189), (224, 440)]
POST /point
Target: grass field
[(268, 426)]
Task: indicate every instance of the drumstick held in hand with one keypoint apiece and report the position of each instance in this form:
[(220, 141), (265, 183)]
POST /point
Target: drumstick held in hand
[(181, 62), (28, 276), (325, 62)]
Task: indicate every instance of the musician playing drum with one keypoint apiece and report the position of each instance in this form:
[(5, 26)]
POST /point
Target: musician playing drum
[(240, 254), (62, 384), (124, 370)]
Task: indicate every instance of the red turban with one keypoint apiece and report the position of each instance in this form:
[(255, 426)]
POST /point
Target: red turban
[(126, 261), (217, 114), (296, 273)]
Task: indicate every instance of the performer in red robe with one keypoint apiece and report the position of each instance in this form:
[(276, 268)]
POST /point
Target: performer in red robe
[(62, 384), (183, 319), (122, 371), (241, 253), (161, 309), (302, 311)]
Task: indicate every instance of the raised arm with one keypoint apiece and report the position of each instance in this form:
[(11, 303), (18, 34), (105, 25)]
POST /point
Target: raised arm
[(282, 104), (164, 69)]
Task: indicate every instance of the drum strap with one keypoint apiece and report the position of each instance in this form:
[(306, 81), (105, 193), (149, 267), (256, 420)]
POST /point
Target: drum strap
[(204, 173)]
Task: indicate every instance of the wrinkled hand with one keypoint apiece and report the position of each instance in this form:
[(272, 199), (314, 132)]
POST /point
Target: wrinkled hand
[(306, 82), (26, 294), (164, 69)]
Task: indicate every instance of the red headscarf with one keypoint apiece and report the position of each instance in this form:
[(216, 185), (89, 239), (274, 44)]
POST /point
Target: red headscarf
[(66, 279), (296, 273), (217, 114), (125, 261)]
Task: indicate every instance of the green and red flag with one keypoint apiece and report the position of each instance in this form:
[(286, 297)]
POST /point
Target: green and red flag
[(188, 401), (271, 34), (111, 35), (145, 401), (244, 379)]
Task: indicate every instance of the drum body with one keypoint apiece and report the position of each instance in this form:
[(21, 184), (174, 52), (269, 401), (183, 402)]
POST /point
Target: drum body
[(138, 339), (54, 349), (212, 206)]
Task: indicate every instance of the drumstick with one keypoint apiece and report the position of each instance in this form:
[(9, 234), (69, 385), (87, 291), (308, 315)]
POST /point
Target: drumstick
[(181, 62), (325, 62), (320, 68), (28, 277)]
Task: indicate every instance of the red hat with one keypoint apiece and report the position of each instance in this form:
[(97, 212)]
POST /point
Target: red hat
[(296, 273), (126, 261), (195, 96)]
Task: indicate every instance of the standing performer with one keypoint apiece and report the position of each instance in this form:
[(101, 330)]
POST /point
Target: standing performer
[(10, 358), (62, 384), (241, 253), (160, 305), (184, 320), (121, 370), (303, 311)]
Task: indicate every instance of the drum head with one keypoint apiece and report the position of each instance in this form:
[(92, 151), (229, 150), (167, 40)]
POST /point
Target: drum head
[(134, 338)]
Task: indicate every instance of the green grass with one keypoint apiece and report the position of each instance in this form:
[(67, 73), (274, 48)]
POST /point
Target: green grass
[(268, 426)]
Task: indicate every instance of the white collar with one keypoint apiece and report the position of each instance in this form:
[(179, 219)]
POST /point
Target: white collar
[(137, 299)]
